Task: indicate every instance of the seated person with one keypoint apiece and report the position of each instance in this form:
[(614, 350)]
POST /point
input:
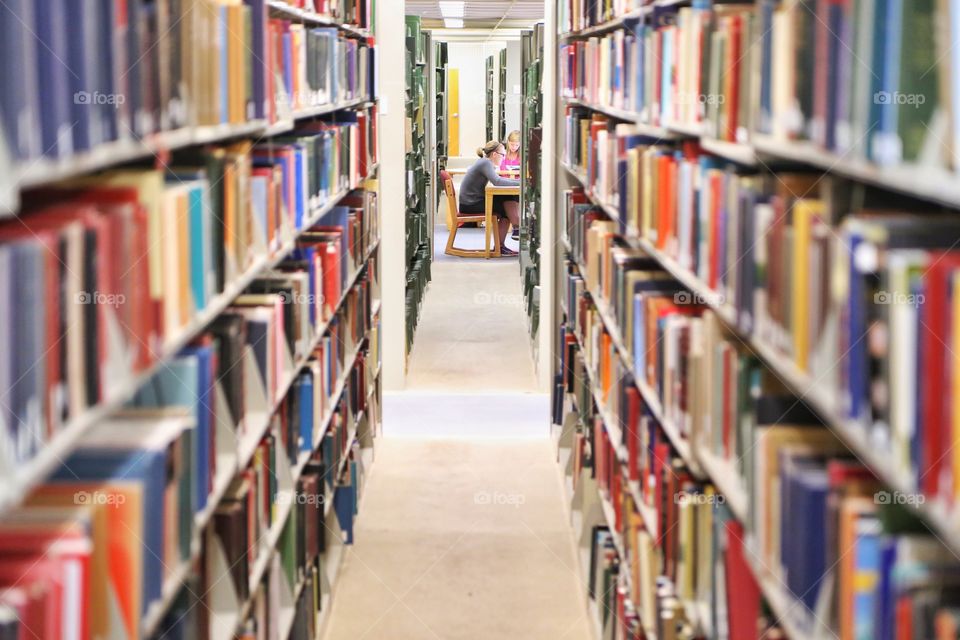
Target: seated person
[(472, 191), (511, 161)]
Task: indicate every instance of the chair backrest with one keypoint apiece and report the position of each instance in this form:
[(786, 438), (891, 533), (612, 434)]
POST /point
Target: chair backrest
[(451, 192)]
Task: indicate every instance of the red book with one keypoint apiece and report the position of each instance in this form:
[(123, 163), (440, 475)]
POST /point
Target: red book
[(903, 626), (743, 594), (632, 428), (733, 76), (934, 334), (716, 194), (331, 258), (661, 463)]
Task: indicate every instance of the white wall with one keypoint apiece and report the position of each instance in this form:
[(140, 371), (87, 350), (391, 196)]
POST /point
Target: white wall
[(470, 58), (514, 85)]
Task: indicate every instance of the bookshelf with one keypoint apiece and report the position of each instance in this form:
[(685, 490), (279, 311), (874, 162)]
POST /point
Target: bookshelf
[(270, 426), (419, 219), (531, 136), (490, 97), (614, 393), (441, 112), (502, 96)]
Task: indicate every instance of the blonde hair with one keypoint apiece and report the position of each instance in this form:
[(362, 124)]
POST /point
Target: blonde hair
[(514, 136), (488, 148)]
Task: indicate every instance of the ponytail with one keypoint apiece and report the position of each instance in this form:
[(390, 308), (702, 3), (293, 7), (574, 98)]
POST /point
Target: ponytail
[(488, 148)]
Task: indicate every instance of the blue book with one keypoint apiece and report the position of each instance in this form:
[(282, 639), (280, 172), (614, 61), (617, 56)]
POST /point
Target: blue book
[(258, 49), (344, 501), (884, 78), (856, 361), (132, 451), (81, 73), (886, 601), (198, 244), (18, 62), (866, 568), (305, 394), (205, 416), (53, 82), (187, 381)]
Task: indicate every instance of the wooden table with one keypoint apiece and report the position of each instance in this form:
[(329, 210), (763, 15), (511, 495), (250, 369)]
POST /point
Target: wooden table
[(491, 191)]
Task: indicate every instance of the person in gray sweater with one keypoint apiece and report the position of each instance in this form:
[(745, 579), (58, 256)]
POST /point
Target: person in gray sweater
[(472, 191)]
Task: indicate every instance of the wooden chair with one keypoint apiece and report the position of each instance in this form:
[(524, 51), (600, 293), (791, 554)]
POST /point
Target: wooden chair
[(454, 218)]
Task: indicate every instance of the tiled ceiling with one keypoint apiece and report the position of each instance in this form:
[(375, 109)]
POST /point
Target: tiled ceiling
[(479, 14)]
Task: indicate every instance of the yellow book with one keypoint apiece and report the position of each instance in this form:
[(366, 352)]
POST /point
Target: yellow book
[(633, 191), (183, 252), (646, 193), (236, 73), (170, 246), (804, 210)]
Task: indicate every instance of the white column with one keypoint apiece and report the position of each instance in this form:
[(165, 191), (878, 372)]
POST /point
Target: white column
[(549, 237), (391, 36)]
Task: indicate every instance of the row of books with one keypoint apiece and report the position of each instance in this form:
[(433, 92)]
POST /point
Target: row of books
[(575, 15), (103, 273), (358, 13), (695, 559), (769, 250), (136, 69), (158, 463), (418, 225), (873, 80), (530, 194), (687, 66), (316, 66)]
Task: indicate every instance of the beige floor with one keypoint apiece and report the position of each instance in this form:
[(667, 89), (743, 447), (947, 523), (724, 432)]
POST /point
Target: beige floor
[(462, 536)]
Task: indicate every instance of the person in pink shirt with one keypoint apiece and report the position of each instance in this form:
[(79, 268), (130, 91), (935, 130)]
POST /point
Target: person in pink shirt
[(511, 161)]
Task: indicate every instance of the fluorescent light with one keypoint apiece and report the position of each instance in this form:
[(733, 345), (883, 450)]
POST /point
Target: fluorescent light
[(450, 9), (453, 23)]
